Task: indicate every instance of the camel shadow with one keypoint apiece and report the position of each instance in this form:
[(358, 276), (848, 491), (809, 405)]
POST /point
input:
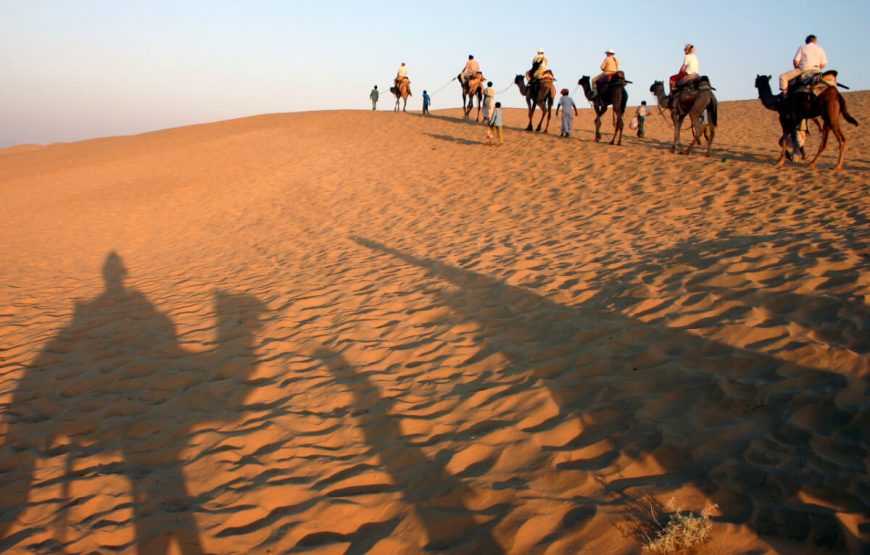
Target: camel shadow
[(750, 430), (115, 385)]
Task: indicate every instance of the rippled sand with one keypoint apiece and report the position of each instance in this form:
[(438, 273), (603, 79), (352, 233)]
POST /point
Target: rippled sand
[(348, 331)]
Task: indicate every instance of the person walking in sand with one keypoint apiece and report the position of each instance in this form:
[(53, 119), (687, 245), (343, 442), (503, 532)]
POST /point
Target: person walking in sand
[(426, 101), (641, 114), (569, 110), (495, 125), (374, 97), (488, 101)]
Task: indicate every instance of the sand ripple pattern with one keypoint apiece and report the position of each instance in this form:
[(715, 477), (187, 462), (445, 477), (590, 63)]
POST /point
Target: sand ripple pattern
[(368, 332)]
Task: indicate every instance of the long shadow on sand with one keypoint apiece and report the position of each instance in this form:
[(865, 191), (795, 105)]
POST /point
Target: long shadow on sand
[(442, 137), (114, 383), (439, 500), (768, 440)]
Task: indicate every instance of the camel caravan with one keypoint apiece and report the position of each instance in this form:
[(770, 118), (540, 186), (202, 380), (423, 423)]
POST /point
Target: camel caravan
[(808, 93)]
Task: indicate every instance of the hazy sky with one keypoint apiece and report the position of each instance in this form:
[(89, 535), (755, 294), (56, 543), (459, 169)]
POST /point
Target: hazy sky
[(75, 69)]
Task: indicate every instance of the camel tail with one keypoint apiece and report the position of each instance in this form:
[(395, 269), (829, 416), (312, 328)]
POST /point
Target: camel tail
[(713, 112), (845, 113)]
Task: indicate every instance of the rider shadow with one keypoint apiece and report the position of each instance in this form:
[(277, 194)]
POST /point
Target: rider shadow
[(734, 423), (115, 384), (439, 500)]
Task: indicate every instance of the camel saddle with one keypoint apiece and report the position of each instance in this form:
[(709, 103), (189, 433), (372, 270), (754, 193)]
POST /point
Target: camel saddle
[(702, 83), (607, 81), (474, 79), (812, 83), (546, 80)]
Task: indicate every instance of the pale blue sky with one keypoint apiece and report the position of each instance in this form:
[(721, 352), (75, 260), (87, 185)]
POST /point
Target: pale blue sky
[(79, 69)]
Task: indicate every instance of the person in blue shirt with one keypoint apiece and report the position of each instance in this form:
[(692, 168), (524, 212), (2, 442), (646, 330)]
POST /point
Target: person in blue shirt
[(426, 101)]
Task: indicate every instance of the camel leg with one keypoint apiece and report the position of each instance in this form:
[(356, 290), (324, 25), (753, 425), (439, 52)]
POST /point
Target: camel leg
[(531, 114), (825, 132), (710, 139), (549, 112), (541, 121), (841, 142), (678, 122), (696, 132), (783, 143), (618, 124)]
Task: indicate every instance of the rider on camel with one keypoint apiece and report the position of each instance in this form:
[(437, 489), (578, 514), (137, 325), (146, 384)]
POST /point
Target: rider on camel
[(809, 59), (401, 74), (470, 69), (609, 67), (539, 67), (688, 72)]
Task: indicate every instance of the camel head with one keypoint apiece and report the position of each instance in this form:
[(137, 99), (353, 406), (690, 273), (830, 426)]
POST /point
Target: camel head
[(240, 318), (584, 81), (657, 85), (761, 80), (519, 80)]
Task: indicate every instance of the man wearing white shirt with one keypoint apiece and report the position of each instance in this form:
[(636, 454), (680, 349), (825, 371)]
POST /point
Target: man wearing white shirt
[(810, 58), (688, 70)]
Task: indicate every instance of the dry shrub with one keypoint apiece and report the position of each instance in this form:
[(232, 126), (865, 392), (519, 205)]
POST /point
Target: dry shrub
[(665, 528)]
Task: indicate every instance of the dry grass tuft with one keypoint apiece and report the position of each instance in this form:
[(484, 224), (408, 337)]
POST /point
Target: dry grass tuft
[(665, 528)]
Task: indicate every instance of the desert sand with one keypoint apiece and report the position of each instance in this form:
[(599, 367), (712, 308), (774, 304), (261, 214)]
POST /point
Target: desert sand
[(353, 331)]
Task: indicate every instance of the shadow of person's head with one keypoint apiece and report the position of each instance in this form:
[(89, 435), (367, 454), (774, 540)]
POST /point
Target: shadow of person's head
[(114, 272)]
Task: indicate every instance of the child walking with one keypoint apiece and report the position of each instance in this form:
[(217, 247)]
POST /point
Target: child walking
[(495, 123), (426, 101), (641, 114)]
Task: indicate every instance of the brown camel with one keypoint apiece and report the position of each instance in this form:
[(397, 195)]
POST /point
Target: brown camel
[(402, 90), (546, 94), (471, 89), (692, 102), (828, 105), (610, 93)]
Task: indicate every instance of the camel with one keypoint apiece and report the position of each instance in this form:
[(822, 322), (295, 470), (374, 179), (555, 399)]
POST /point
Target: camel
[(828, 105), (611, 93), (471, 89), (690, 102), (402, 90), (545, 97)]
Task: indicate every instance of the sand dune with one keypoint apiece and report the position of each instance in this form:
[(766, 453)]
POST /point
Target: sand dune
[(343, 332)]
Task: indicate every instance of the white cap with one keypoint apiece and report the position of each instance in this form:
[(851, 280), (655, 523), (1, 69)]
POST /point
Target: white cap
[(540, 50), (609, 51)]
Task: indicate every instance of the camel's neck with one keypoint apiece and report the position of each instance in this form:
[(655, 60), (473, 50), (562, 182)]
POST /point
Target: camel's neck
[(660, 96), (766, 95), (587, 90), (522, 87)]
